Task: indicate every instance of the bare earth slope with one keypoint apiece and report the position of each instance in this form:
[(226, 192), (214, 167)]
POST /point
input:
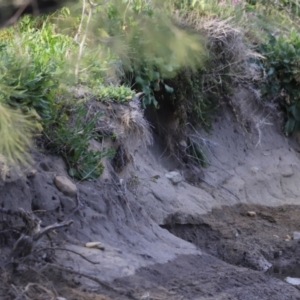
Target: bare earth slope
[(151, 228)]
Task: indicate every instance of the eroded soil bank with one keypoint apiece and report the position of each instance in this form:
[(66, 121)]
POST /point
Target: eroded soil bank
[(189, 240), (244, 243), (148, 261), (252, 236)]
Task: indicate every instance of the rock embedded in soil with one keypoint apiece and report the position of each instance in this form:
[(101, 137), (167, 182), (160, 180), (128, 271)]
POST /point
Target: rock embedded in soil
[(296, 235), (292, 281), (183, 144), (251, 213), (65, 185), (96, 245), (30, 173), (175, 177)]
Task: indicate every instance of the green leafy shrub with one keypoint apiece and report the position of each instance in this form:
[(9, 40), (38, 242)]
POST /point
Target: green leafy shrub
[(150, 46), (149, 81), (119, 94), (71, 138), (197, 153), (26, 84), (29, 68), (33, 68), (155, 47), (283, 76), (32, 64), (199, 101)]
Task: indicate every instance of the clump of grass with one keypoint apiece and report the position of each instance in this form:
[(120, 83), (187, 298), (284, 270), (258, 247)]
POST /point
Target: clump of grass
[(119, 94), (71, 138), (17, 130)]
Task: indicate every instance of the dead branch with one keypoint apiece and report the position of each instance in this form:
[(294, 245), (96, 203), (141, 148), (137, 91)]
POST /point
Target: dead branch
[(49, 228), (95, 279), (97, 4), (37, 288), (69, 250), (31, 221), (24, 245), (17, 15), (82, 42), (9, 212)]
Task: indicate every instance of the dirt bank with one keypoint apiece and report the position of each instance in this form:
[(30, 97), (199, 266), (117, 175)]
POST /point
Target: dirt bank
[(251, 236), (162, 238)]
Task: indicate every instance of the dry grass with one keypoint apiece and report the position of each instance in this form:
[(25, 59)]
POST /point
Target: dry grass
[(227, 47), (16, 131), (135, 129), (230, 73)]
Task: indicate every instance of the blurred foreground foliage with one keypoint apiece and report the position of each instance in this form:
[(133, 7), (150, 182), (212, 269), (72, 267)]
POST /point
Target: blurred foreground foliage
[(191, 51), (88, 44)]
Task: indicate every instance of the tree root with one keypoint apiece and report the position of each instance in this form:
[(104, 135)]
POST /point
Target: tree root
[(24, 245)]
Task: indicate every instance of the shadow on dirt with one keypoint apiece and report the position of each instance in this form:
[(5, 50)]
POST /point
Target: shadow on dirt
[(262, 240)]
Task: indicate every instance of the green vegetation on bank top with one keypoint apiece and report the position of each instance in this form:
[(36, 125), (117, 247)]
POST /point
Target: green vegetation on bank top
[(189, 51)]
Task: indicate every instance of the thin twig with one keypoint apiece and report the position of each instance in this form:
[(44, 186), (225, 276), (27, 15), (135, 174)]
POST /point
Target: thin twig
[(49, 228), (69, 250), (95, 279), (17, 15), (82, 43), (77, 36), (94, 5)]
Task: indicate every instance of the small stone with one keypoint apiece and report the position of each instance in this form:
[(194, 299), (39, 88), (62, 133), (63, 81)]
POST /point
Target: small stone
[(254, 170), (65, 185), (31, 173), (146, 296), (96, 245), (251, 213), (288, 237), (292, 281), (296, 235), (60, 298), (183, 144), (175, 177)]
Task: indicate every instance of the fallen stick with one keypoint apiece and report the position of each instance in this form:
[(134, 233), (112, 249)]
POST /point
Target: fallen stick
[(49, 228), (72, 251), (95, 279)]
